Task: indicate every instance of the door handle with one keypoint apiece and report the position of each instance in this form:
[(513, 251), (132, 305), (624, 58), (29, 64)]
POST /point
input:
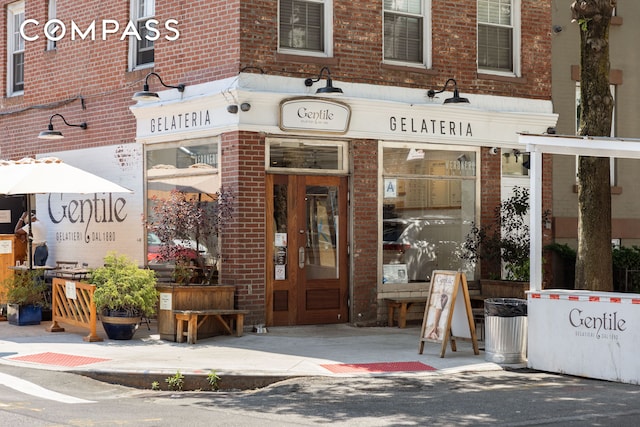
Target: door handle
[(301, 257)]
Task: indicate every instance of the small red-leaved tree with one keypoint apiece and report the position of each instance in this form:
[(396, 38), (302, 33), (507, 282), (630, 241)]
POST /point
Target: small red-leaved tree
[(189, 229)]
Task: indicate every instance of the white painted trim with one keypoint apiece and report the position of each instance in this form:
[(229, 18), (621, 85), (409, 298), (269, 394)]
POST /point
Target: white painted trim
[(536, 145)]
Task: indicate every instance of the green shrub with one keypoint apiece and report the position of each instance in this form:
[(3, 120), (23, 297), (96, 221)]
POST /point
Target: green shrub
[(122, 285)]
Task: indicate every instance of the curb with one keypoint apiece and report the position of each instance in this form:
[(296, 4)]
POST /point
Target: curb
[(192, 382)]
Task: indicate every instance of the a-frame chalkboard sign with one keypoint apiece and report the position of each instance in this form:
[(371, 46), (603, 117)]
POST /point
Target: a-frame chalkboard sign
[(448, 314)]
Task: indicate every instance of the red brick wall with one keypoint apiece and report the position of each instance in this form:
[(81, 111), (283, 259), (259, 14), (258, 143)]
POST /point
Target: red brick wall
[(490, 199), (96, 71), (364, 204), (244, 240), (358, 48)]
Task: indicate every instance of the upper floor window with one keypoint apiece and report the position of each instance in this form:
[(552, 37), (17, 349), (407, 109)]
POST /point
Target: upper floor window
[(499, 36), (141, 51), (51, 44), (15, 49), (407, 31), (305, 26)]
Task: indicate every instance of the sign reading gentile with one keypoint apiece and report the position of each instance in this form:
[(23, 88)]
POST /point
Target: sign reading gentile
[(314, 115)]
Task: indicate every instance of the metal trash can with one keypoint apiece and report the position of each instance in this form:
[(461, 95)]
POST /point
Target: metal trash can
[(505, 330)]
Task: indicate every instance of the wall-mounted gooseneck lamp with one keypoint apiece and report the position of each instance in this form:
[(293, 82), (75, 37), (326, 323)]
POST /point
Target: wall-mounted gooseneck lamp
[(329, 89), (456, 99), (146, 95), (56, 134)]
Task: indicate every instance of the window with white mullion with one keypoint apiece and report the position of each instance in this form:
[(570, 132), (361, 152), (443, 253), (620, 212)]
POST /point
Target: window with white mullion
[(406, 31), (498, 36), (305, 26), (142, 51), (15, 49), (51, 44)]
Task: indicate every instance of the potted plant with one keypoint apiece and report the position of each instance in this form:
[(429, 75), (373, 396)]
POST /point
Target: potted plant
[(187, 227), (503, 247), (124, 293), (25, 297)]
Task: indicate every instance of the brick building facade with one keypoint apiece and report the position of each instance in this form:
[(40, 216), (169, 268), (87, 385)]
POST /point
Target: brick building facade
[(236, 53)]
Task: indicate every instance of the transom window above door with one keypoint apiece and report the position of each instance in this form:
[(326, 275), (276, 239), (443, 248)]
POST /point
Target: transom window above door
[(310, 156)]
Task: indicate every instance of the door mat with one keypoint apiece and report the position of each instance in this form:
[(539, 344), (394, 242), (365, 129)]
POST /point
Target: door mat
[(349, 368), (58, 359)]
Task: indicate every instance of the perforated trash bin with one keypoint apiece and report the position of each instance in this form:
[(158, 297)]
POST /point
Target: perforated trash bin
[(505, 330)]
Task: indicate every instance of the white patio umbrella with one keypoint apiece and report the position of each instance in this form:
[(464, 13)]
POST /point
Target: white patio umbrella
[(49, 175), (198, 178)]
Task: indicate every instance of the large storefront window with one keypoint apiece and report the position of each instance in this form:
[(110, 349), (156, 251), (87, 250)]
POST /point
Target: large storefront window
[(190, 167), (428, 207)]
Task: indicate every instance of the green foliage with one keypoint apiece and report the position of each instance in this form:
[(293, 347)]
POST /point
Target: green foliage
[(184, 217), (506, 240), (25, 288), (213, 379), (565, 251), (122, 285), (624, 259), (175, 382), (155, 385)]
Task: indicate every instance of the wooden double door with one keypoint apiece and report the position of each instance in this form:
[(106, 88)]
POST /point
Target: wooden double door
[(307, 256)]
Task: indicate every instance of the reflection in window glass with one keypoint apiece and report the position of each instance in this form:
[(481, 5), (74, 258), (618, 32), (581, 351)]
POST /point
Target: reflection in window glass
[(305, 156), (192, 170), (515, 163), (428, 207)]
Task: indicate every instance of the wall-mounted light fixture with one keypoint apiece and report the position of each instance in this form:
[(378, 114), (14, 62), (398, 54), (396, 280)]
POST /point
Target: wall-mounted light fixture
[(456, 99), (146, 95), (329, 89), (56, 134)]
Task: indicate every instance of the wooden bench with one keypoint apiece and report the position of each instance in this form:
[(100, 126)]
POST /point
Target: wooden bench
[(235, 319), (402, 303)]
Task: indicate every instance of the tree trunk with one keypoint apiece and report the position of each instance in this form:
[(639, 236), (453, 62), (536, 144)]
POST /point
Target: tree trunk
[(594, 263)]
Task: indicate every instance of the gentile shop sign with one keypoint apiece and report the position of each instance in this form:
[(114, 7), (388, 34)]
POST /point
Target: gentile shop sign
[(314, 115)]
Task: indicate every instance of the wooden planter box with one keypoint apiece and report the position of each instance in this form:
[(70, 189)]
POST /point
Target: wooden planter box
[(192, 297), (503, 289)]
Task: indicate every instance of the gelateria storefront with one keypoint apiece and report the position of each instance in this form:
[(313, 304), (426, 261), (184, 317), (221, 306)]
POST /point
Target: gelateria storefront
[(428, 207)]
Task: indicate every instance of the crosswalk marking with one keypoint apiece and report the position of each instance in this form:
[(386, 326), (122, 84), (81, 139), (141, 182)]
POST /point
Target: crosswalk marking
[(35, 390)]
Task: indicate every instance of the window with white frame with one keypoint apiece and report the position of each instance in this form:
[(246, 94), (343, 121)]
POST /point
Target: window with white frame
[(612, 160), (407, 31), (51, 44), (499, 36), (141, 50), (305, 26), (15, 49), (428, 207)]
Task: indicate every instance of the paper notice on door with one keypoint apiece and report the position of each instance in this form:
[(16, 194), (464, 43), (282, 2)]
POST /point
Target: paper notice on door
[(280, 239), (280, 272)]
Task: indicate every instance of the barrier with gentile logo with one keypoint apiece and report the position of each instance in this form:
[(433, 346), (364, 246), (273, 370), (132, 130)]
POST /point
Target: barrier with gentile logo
[(592, 334), (73, 303)]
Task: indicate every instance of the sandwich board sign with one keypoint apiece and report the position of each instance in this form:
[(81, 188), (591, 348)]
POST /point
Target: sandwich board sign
[(448, 314)]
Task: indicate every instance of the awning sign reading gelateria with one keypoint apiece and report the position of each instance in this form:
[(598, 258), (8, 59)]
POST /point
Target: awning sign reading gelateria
[(314, 115)]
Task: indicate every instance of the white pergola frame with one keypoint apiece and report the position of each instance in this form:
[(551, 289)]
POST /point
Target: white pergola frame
[(537, 145)]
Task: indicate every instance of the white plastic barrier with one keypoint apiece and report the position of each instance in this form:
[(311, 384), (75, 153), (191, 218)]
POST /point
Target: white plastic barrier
[(588, 334)]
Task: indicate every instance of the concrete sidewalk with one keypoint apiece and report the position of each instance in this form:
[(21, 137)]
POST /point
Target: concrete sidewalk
[(252, 360)]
